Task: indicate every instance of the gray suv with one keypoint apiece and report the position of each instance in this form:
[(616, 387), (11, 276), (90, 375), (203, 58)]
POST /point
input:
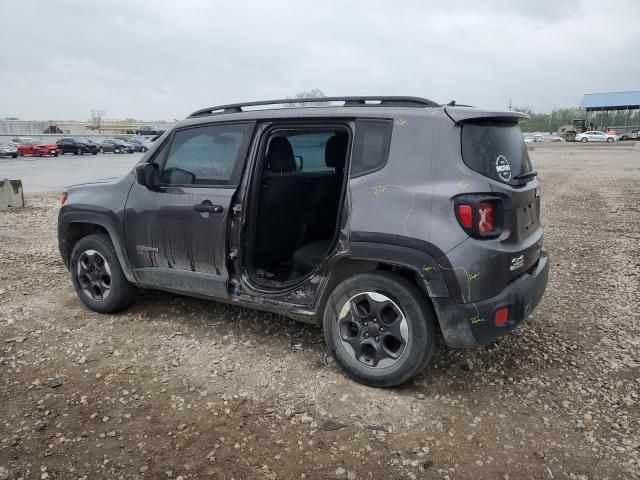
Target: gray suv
[(387, 220)]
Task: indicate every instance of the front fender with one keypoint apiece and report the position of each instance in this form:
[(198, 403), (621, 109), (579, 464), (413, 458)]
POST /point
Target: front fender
[(104, 219)]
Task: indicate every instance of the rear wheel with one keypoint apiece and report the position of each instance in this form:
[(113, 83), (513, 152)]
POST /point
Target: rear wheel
[(101, 150), (609, 140), (80, 151), (97, 276), (380, 328), (116, 150)]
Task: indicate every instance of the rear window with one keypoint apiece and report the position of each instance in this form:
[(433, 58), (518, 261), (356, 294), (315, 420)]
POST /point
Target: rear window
[(495, 150)]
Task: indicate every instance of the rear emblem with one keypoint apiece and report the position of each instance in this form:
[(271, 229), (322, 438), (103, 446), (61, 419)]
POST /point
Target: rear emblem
[(503, 168), (516, 263)]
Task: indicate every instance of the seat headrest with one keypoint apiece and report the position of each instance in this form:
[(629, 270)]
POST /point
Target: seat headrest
[(280, 156), (335, 152)]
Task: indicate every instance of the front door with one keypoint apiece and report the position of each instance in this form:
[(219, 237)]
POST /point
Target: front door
[(176, 233)]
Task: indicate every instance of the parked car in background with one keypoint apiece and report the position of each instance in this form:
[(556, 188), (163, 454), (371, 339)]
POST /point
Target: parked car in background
[(528, 139), (115, 145), (538, 138), (29, 146), (151, 131), (632, 135), (596, 136), (8, 149), (140, 144), (77, 146), (125, 146)]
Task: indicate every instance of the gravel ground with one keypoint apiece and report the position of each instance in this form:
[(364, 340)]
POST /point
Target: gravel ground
[(178, 388)]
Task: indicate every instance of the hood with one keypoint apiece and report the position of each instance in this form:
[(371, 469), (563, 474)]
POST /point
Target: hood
[(97, 181)]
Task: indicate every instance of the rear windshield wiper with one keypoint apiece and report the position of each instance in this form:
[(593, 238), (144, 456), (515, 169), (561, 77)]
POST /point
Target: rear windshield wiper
[(524, 176)]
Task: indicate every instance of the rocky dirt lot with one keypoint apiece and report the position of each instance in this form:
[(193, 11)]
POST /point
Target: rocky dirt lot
[(177, 388)]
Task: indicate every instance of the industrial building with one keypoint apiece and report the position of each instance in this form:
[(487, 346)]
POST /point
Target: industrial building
[(619, 111)]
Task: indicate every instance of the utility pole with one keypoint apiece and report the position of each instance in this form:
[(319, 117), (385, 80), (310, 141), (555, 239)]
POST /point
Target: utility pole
[(509, 104)]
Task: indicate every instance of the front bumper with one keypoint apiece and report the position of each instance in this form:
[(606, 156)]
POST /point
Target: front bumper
[(472, 324)]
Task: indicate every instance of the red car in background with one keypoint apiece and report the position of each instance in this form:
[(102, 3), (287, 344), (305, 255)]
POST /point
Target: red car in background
[(28, 146)]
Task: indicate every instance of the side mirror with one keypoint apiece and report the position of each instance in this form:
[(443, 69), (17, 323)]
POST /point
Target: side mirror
[(299, 163), (148, 174)]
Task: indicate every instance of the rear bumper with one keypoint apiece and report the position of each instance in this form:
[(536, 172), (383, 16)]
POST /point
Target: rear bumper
[(472, 324)]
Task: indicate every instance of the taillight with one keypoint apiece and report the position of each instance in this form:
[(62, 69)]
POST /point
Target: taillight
[(479, 215), (465, 215), (485, 222), (501, 317), (63, 198)]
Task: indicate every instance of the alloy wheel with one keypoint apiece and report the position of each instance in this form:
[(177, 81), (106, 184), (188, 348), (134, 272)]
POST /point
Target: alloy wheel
[(94, 275), (373, 329)]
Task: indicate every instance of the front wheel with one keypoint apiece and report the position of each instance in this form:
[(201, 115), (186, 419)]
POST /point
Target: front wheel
[(609, 140), (101, 150), (80, 151), (380, 328), (97, 276), (584, 140)]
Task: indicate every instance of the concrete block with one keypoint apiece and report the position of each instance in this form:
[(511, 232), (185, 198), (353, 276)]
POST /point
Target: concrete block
[(4, 204), (11, 194)]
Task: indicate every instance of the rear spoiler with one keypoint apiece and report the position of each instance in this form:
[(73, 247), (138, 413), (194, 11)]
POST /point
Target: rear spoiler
[(460, 115)]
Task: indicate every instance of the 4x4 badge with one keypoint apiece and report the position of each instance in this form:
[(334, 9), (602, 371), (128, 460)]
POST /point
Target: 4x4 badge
[(503, 168), (517, 262)]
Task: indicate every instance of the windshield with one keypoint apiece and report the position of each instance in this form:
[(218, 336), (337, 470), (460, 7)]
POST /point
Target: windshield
[(496, 150)]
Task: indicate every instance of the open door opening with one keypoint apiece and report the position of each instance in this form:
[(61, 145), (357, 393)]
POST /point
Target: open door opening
[(297, 199)]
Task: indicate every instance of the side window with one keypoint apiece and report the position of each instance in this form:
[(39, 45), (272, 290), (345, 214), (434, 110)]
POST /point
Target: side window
[(370, 146), (206, 155), (309, 150)]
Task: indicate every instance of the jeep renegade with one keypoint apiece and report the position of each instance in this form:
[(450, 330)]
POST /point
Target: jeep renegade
[(385, 219)]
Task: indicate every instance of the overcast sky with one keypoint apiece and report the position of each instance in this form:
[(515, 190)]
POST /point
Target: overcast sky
[(163, 59)]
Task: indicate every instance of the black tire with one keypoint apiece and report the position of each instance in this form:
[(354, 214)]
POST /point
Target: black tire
[(15, 155), (412, 355), (584, 140), (79, 151), (55, 154), (121, 293), (94, 153)]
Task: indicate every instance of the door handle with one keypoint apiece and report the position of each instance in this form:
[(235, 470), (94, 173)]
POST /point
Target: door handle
[(207, 208)]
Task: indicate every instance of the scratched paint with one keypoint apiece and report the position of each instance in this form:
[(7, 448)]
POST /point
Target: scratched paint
[(379, 189)]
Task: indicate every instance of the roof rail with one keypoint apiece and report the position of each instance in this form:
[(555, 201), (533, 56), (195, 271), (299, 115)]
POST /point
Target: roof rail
[(393, 101)]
